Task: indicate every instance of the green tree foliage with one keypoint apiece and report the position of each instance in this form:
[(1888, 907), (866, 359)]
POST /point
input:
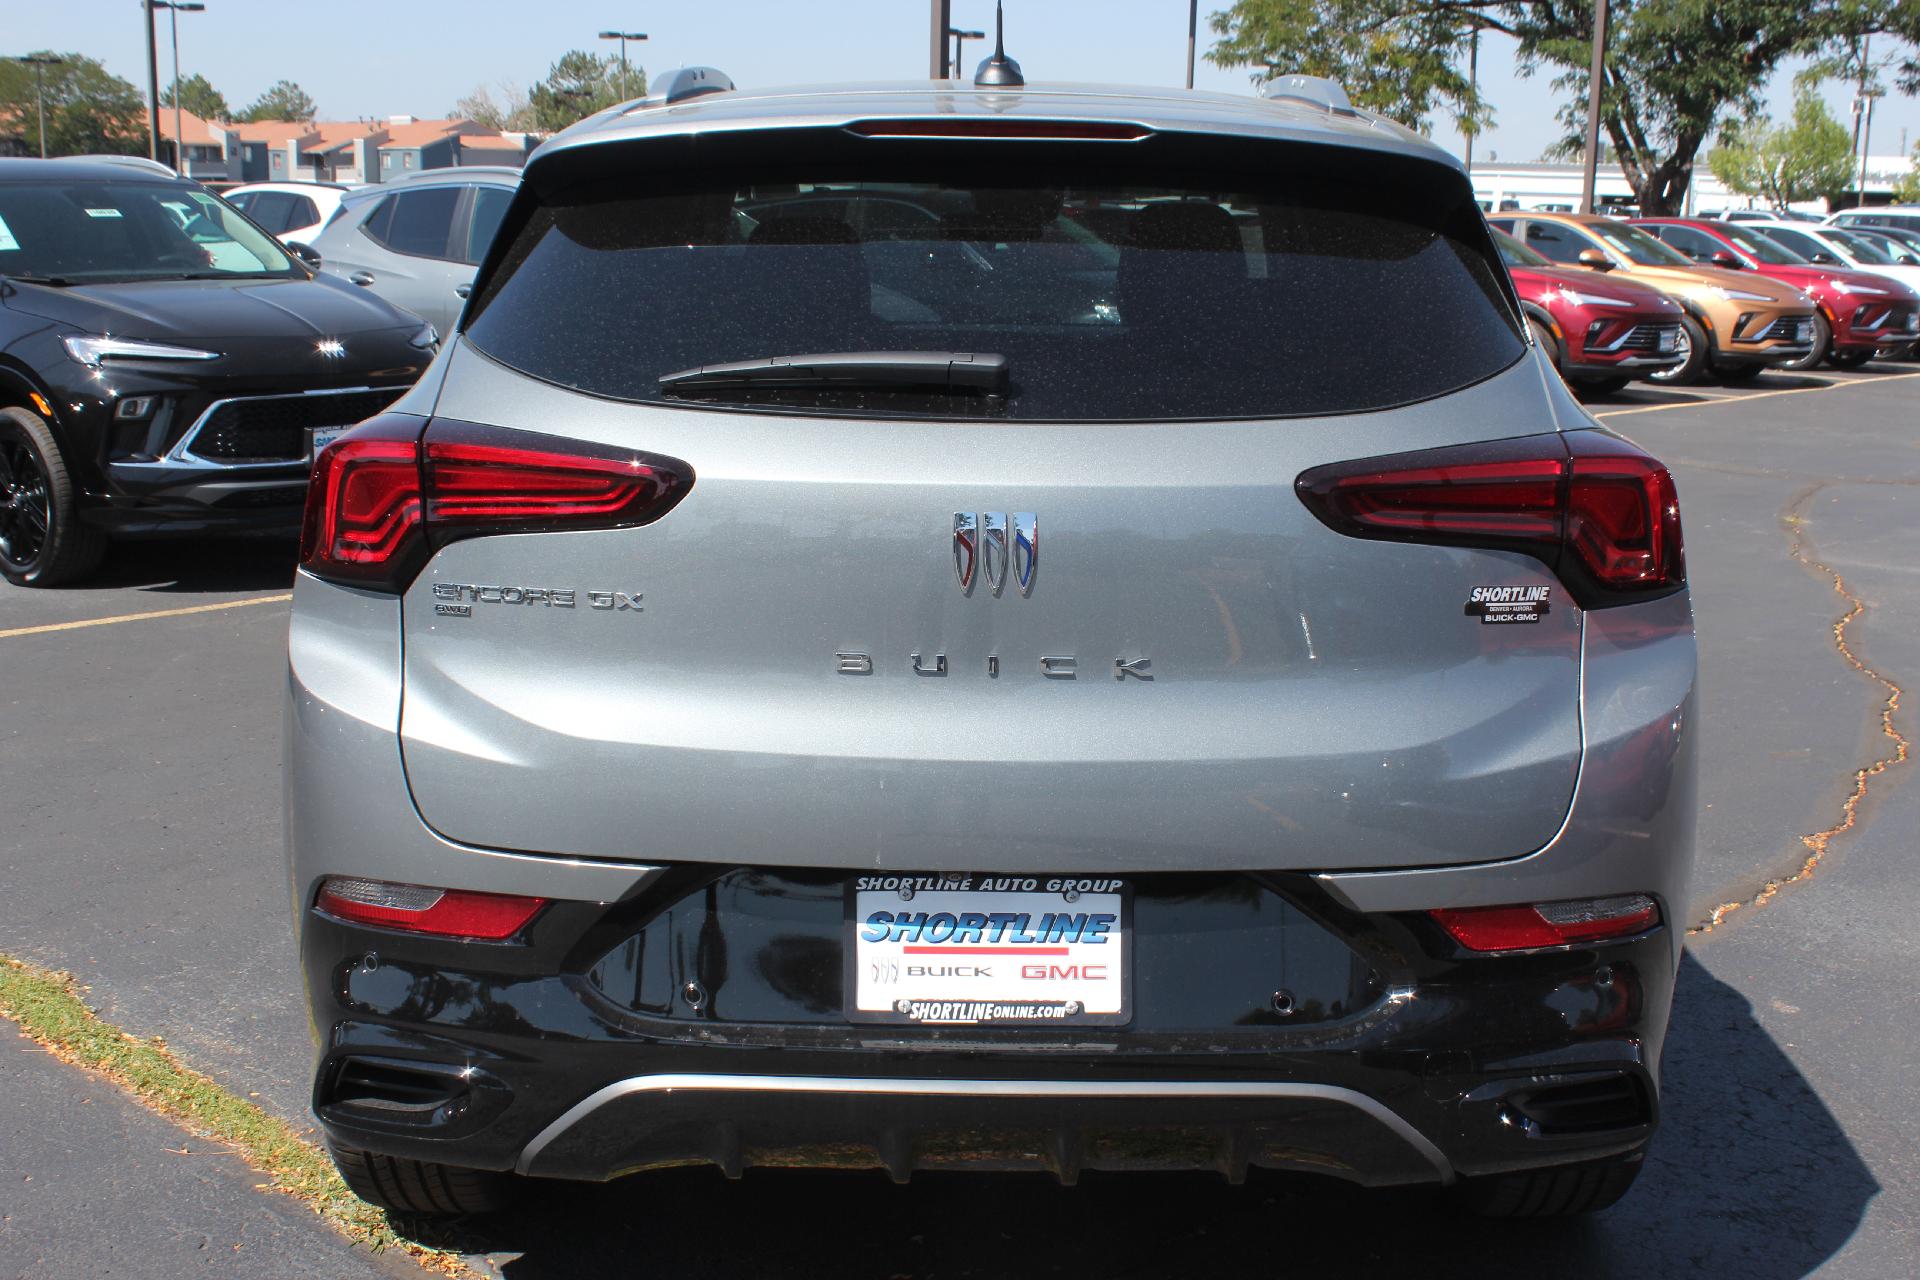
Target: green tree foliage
[(200, 97), (510, 110), (1807, 159), (579, 85), (1675, 68), (89, 109), (285, 101), (1907, 190)]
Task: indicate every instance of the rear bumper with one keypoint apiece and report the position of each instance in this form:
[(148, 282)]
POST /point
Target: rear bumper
[(1470, 1069)]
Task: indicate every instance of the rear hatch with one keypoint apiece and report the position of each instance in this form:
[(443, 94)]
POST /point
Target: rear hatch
[(821, 656)]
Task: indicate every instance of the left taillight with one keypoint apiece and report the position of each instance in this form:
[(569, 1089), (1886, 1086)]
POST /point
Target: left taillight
[(388, 493), (415, 908), (1595, 509)]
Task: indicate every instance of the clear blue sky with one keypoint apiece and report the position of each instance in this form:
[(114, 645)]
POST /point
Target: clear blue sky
[(385, 57)]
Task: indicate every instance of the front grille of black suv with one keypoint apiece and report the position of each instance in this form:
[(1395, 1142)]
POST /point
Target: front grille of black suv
[(274, 428)]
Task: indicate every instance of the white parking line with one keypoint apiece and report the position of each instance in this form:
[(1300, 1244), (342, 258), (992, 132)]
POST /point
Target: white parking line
[(136, 617), (1759, 395)]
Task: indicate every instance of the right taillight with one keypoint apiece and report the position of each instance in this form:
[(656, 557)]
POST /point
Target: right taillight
[(1599, 512), (388, 493)]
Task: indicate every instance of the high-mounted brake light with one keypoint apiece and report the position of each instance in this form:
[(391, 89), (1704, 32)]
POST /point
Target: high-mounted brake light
[(449, 913), (1549, 924), (389, 492), (1003, 127), (1599, 512)]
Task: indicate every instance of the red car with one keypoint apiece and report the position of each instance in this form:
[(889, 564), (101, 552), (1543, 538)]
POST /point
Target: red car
[(1602, 332), (1861, 315)]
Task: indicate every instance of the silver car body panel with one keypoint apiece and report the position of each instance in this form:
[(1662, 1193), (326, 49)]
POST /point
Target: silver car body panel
[(1314, 700)]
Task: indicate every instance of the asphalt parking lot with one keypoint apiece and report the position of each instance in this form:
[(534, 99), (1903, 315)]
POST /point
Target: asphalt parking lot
[(140, 850)]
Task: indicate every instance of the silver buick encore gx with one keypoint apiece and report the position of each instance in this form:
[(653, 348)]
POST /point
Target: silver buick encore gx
[(990, 626)]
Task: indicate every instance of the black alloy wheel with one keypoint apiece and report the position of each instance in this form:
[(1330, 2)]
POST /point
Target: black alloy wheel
[(42, 541)]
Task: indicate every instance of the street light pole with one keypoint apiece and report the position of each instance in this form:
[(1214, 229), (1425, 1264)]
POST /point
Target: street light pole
[(1473, 84), (174, 9), (626, 80), (1193, 26), (40, 62), (940, 21), (153, 83), (960, 39), (1596, 78)]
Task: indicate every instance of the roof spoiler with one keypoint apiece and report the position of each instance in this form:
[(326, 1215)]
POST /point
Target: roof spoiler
[(682, 83), (1318, 90)]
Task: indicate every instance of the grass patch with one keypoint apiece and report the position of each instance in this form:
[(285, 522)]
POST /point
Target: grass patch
[(49, 1009)]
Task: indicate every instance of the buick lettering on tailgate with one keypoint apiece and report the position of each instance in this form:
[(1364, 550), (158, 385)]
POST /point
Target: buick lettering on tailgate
[(988, 949)]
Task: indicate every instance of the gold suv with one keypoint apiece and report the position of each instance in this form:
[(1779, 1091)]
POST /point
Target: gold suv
[(1736, 323)]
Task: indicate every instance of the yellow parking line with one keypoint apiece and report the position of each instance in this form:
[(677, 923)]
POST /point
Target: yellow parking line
[(1761, 395), (136, 617)]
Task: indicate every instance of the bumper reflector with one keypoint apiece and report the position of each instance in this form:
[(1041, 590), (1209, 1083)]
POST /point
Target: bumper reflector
[(1549, 924), (448, 913)]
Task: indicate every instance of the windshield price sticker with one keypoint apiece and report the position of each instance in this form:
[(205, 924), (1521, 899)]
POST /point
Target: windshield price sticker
[(985, 949)]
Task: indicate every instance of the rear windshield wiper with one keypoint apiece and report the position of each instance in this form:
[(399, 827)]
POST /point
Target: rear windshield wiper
[(855, 370)]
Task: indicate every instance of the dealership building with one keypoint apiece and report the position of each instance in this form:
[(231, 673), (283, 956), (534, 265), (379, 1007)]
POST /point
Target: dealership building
[(1502, 187)]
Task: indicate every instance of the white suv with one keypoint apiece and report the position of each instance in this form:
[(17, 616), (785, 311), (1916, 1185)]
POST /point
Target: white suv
[(293, 211)]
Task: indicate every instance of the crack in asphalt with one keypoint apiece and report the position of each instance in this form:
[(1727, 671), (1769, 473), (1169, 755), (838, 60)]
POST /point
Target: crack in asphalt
[(1817, 842)]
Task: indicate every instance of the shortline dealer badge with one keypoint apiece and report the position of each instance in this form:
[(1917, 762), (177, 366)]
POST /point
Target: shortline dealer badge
[(1508, 604)]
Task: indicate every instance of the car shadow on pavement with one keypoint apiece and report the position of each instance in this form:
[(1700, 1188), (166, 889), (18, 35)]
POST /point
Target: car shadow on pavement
[(195, 566), (1751, 1176)]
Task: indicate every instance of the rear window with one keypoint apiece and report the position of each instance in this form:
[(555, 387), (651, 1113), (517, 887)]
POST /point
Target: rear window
[(1110, 300)]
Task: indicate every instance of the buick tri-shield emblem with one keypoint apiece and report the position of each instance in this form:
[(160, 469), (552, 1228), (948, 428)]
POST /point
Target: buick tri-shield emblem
[(993, 543)]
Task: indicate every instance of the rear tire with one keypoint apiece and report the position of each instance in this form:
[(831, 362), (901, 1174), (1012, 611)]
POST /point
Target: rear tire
[(1563, 1192), (42, 540), (1822, 344), (1694, 346), (1848, 359), (419, 1187)]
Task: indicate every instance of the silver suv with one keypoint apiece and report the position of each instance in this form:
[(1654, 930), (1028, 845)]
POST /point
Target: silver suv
[(416, 240), (993, 627)]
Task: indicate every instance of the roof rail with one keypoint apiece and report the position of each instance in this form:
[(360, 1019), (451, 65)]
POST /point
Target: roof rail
[(685, 82), (1318, 90), (137, 162), (448, 172)]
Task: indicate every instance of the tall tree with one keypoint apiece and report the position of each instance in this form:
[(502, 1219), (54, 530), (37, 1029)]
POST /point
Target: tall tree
[(199, 96), (579, 85), (285, 101), (89, 109), (510, 111), (1810, 158), (1675, 69)]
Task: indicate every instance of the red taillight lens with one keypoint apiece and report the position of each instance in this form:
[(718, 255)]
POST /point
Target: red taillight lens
[(362, 522), (1549, 924), (387, 493), (449, 913), (1599, 512)]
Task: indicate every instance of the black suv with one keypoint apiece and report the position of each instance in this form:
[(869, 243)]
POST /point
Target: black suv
[(165, 365)]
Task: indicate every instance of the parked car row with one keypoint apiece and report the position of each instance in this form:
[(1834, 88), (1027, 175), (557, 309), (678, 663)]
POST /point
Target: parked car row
[(1750, 296)]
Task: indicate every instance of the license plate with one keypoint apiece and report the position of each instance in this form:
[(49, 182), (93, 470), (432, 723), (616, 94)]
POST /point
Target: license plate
[(988, 949), (1669, 341), (321, 437), (1803, 332), (1913, 321)]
